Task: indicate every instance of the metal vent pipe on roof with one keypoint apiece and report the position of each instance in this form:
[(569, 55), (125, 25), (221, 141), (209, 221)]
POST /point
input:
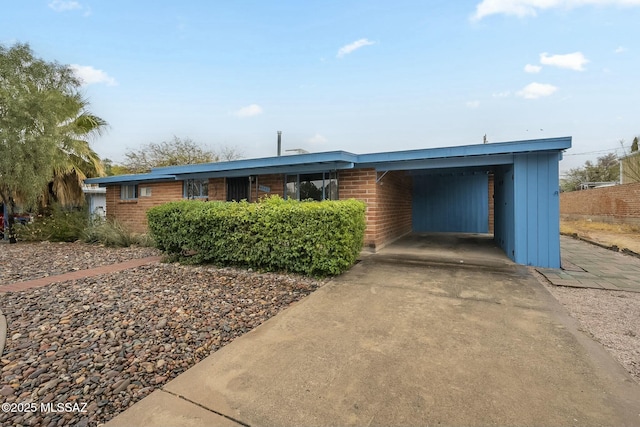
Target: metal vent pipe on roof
[(279, 142)]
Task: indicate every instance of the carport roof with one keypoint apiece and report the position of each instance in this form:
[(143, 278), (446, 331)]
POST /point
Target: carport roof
[(428, 158)]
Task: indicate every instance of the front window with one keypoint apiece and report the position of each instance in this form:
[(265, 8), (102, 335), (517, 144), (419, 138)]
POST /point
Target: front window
[(312, 186), (196, 188), (128, 192)]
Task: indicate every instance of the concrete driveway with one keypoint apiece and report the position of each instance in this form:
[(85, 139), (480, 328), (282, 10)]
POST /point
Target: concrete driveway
[(418, 334)]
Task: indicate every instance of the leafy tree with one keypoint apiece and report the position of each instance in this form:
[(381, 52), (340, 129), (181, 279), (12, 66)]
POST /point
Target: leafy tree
[(178, 151), (75, 160), (606, 169), (630, 169), (36, 99), (111, 169)]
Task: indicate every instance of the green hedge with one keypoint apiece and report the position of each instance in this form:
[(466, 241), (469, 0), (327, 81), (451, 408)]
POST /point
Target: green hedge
[(313, 238)]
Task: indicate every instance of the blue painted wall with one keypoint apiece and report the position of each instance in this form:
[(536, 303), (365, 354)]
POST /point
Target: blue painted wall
[(537, 209), (447, 203), (527, 209)]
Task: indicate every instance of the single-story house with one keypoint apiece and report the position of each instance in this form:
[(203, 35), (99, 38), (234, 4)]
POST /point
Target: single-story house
[(509, 189)]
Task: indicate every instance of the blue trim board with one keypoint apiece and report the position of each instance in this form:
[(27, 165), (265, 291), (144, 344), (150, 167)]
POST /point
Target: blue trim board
[(129, 179), (266, 162)]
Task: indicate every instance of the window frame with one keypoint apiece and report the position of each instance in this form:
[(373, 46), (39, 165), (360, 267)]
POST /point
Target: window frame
[(125, 193), (327, 177), (202, 186)]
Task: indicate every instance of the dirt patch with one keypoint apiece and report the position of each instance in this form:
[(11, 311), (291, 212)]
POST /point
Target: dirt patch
[(622, 236)]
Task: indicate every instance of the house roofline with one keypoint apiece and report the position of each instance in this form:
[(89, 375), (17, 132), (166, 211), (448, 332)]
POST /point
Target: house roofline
[(465, 155)]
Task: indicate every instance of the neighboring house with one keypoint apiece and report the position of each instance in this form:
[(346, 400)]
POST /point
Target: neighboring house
[(510, 189), (96, 198), (630, 168)]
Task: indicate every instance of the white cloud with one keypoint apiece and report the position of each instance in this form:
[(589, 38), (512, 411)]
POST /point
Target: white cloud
[(89, 75), (249, 111), (522, 8), (504, 94), (64, 5), (536, 90), (572, 61), (68, 5), (317, 139), (473, 104), (347, 49), (620, 49), (532, 68)]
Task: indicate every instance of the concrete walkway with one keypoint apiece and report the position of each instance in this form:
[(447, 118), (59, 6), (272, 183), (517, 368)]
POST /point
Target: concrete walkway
[(465, 338), (585, 265)]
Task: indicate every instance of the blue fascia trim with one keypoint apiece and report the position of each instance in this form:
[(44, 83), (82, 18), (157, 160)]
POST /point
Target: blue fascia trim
[(266, 162), (549, 144), (129, 179), (308, 168)]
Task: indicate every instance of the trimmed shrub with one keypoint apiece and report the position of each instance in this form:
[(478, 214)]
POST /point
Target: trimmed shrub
[(313, 238)]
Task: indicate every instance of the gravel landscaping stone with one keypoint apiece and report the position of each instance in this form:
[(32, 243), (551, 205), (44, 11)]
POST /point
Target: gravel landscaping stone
[(611, 317), (110, 340), (27, 261)]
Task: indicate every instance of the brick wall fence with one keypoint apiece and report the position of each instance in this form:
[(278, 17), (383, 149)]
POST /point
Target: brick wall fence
[(617, 204)]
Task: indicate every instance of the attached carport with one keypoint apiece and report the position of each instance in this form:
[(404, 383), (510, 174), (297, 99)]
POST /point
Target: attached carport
[(456, 189)]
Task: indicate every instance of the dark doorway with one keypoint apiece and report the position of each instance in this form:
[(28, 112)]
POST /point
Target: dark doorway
[(237, 189)]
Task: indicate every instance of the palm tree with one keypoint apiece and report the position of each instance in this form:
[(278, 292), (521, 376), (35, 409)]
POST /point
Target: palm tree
[(75, 160)]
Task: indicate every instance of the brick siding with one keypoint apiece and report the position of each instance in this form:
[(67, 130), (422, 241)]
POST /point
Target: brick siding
[(388, 211), (217, 189), (388, 202), (274, 182), (393, 213), (617, 204), (360, 184), (133, 213)]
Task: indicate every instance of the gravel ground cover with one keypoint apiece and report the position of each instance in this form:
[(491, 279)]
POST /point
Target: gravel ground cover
[(108, 341), (611, 317), (26, 261)]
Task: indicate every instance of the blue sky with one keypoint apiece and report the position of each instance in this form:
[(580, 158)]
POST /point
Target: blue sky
[(361, 76)]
